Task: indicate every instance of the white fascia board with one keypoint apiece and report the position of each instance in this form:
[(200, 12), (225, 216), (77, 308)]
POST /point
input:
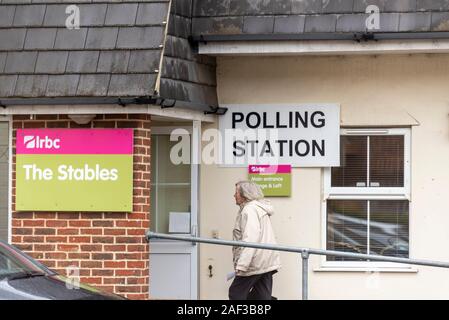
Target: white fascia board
[(174, 113), (322, 47)]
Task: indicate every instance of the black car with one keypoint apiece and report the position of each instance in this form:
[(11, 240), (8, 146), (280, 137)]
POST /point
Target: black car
[(23, 278)]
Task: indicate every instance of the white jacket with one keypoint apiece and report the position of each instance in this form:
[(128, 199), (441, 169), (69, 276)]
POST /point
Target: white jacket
[(253, 224)]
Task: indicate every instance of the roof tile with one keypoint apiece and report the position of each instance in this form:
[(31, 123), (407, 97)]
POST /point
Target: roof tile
[(70, 39), (93, 14), (140, 37), (21, 62), (440, 21), (210, 7), (82, 61), (121, 14), (93, 85), (55, 15), (7, 85), (7, 16), (258, 24), (40, 38), (250, 7), (321, 23), (32, 15), (414, 21), (12, 39), (139, 60), (2, 60), (337, 6), (306, 6), (101, 38), (434, 5), (289, 24), (113, 61), (152, 13), (131, 84), (51, 61), (226, 25), (400, 6), (31, 85), (62, 85)]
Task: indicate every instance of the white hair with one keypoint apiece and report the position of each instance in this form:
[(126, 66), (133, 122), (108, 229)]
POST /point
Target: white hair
[(249, 190)]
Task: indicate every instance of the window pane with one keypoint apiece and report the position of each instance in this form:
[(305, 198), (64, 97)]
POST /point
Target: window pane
[(153, 187), (167, 171), (153, 208), (353, 163), (346, 227), (389, 228), (171, 199), (386, 161), (170, 184)]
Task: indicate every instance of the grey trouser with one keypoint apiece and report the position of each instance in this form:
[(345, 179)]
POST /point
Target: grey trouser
[(256, 287)]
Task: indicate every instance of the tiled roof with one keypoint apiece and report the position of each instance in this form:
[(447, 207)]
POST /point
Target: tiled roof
[(116, 52), (186, 76), (124, 48), (236, 17)]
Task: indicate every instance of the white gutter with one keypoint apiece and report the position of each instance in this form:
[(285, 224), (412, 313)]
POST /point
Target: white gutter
[(322, 47), (175, 113)]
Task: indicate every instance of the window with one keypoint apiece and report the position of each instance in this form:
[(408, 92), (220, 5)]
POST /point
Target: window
[(170, 184), (367, 197)]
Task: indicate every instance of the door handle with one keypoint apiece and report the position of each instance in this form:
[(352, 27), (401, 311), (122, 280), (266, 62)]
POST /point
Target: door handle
[(194, 233)]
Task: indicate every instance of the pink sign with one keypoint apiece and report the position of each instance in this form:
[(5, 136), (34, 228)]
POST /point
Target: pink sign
[(74, 141), (270, 169)]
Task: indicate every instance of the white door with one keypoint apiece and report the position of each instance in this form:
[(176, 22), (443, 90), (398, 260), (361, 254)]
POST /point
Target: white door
[(174, 210)]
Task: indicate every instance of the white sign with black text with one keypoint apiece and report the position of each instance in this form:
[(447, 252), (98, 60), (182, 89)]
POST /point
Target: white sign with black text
[(305, 135)]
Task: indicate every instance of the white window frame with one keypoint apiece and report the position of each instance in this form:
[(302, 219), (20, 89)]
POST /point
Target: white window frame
[(8, 118), (167, 130), (366, 193)]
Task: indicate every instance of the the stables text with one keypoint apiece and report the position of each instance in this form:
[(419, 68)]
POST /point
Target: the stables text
[(74, 170)]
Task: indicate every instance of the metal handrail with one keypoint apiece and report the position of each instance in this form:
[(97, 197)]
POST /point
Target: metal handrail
[(305, 252)]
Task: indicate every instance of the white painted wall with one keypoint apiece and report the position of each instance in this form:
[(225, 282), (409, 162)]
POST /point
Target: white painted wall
[(389, 90)]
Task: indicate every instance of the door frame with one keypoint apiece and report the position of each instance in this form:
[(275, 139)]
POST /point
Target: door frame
[(8, 118), (195, 155)]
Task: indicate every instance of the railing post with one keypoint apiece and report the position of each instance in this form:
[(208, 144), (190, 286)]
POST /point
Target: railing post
[(305, 274)]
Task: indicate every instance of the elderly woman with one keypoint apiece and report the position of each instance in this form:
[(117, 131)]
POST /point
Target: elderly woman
[(254, 268)]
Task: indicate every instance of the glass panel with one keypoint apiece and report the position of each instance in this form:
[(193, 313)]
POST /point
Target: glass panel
[(389, 228), (153, 209), (167, 171), (153, 182), (346, 227), (353, 163), (170, 184), (171, 198), (153, 158), (387, 161)]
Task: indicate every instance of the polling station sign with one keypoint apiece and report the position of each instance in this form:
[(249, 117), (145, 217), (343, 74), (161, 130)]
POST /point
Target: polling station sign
[(303, 135), (275, 181), (74, 170)]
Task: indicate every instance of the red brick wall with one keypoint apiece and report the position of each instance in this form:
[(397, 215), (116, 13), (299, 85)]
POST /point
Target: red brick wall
[(109, 248)]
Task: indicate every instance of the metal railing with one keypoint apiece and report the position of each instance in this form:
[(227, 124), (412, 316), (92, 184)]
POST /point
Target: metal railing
[(305, 253)]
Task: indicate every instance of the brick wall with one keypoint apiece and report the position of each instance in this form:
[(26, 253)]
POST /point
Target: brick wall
[(109, 248)]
